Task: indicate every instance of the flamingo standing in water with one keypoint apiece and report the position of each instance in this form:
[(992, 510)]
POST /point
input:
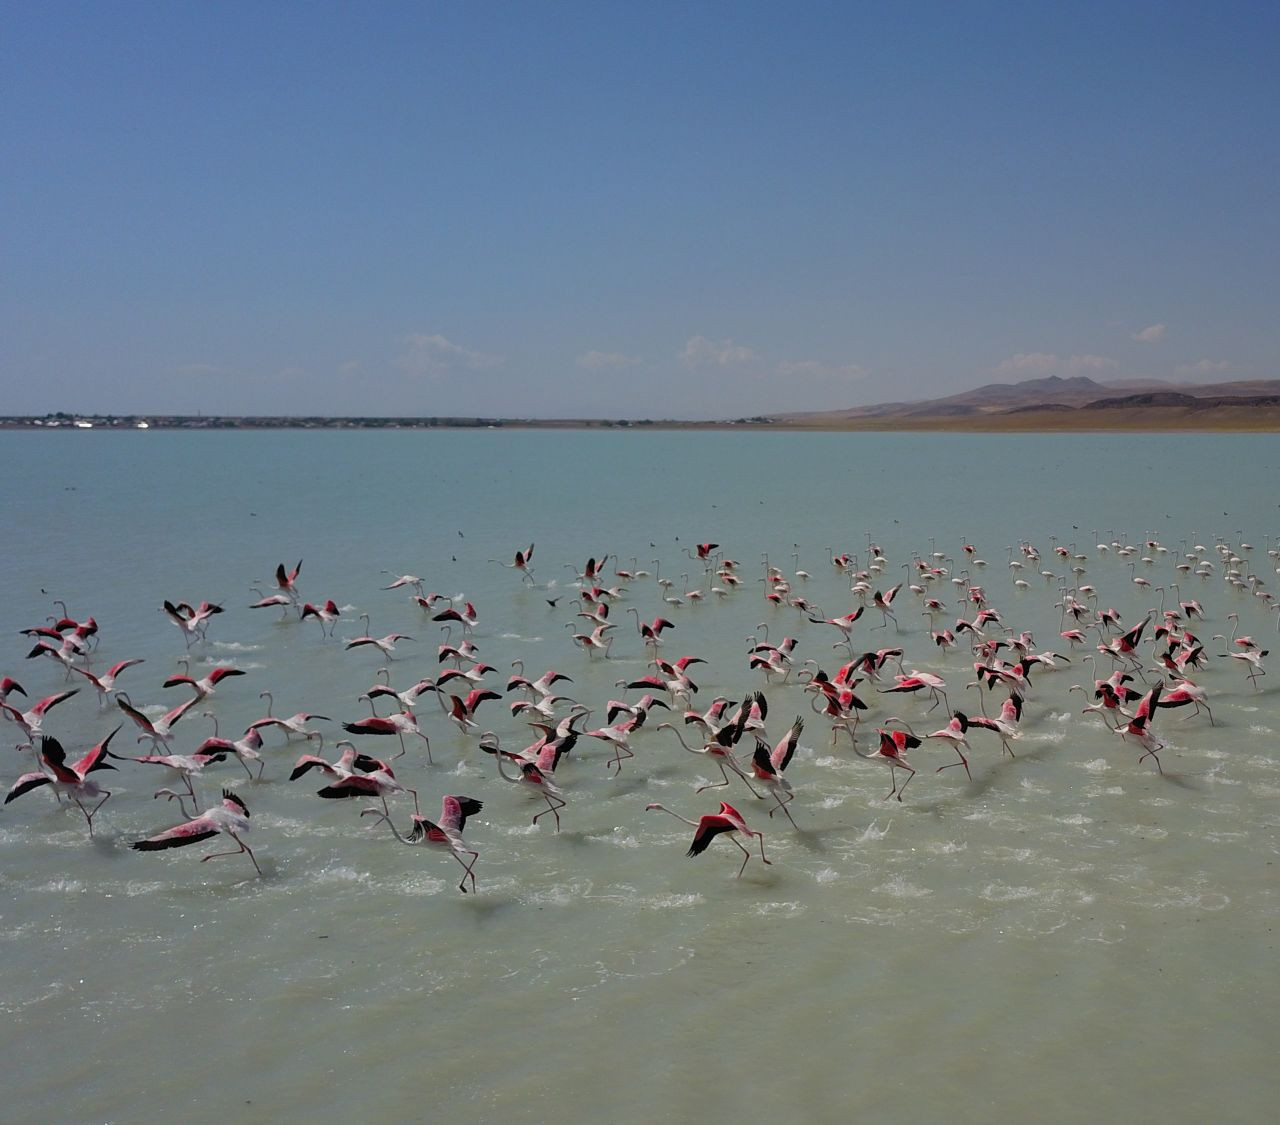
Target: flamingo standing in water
[(231, 817), (710, 825), (448, 833)]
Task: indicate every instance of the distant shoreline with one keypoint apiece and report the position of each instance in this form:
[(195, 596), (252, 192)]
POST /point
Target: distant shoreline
[(1171, 419)]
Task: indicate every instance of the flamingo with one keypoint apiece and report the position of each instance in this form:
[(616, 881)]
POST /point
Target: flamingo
[(66, 653), (266, 601), (542, 686), (399, 724), (32, 720), (402, 580), (710, 825), (245, 748), (916, 680), (1006, 724), (355, 775), (295, 724), (453, 818), (718, 747), (191, 622), (883, 601), (1250, 656), (206, 685), (326, 614), (386, 645), (619, 735), (64, 779), (770, 764), (521, 563), (466, 617), (531, 775), (892, 750), (463, 711), (156, 730), (286, 579), (185, 765), (231, 817), (106, 683), (954, 732), (1186, 692)]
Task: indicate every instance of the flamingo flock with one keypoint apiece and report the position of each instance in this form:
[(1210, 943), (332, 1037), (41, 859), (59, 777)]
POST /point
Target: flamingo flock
[(1137, 669)]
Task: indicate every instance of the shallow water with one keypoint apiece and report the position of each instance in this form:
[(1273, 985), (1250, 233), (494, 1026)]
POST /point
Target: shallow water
[(1070, 935)]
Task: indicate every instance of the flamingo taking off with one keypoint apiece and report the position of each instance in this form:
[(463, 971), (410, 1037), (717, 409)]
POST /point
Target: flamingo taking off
[(710, 825), (231, 817)]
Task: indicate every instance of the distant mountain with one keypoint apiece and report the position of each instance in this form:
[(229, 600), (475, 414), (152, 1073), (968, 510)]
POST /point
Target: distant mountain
[(1052, 393)]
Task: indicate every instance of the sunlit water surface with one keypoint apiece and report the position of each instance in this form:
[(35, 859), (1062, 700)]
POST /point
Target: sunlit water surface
[(1070, 936)]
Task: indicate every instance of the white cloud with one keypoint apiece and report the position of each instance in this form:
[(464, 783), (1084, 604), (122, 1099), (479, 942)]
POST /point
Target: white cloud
[(1043, 363), (606, 361), (816, 369), (1205, 367), (1152, 334), (699, 352), (435, 355)]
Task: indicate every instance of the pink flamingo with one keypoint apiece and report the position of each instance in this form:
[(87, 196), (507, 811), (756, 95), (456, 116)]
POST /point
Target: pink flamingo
[(231, 817), (64, 779), (710, 825), (448, 832)]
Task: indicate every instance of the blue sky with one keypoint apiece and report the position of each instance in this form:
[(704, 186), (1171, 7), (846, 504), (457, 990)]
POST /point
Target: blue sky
[(626, 210)]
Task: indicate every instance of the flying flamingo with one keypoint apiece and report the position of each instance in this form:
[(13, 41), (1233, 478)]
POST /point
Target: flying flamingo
[(892, 750), (191, 622), (64, 779), (719, 748), (231, 817), (401, 580), (463, 711), (521, 563), (295, 724), (247, 746), (32, 720), (286, 580), (770, 764), (399, 724), (386, 645), (157, 730), (352, 779), (466, 617), (536, 778), (453, 818), (710, 825), (326, 614), (106, 683), (206, 685)]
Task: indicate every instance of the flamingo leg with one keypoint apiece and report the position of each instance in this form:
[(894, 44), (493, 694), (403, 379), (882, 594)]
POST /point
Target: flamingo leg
[(243, 848)]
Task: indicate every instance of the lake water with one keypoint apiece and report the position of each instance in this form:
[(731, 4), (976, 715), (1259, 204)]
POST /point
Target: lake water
[(1070, 936)]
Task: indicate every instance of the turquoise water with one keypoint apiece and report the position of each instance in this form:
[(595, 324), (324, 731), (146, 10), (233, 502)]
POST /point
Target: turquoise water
[(1070, 935)]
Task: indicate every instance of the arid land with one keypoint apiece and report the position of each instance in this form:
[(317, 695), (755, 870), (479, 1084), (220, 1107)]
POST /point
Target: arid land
[(1038, 405)]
